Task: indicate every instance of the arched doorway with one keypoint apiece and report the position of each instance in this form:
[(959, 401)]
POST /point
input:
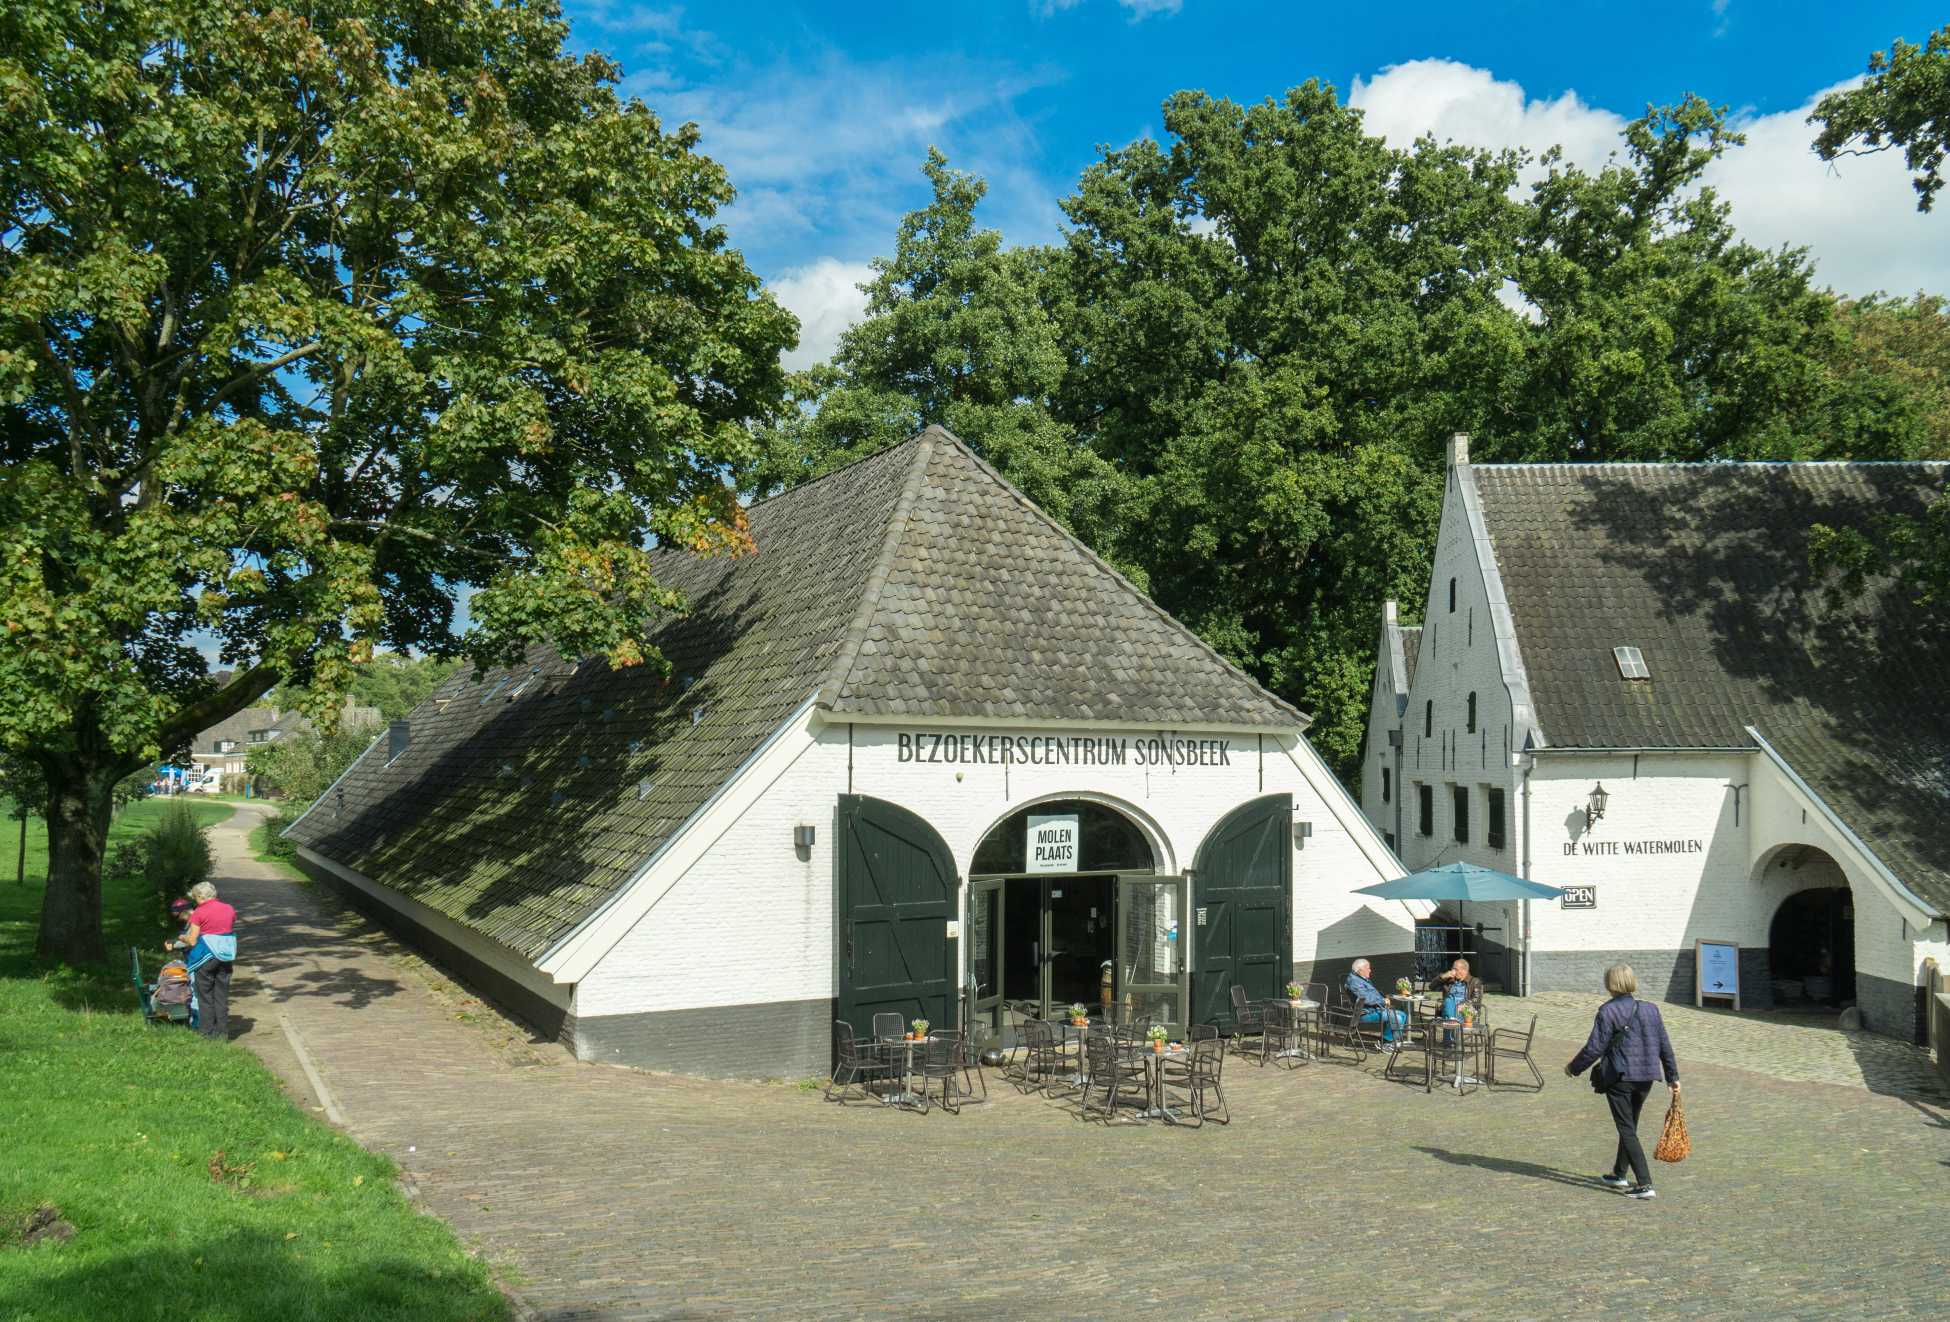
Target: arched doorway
[(1811, 948), (1066, 906)]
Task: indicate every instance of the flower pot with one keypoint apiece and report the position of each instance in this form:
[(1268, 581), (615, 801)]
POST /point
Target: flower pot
[(1080, 1021), (1158, 1047)]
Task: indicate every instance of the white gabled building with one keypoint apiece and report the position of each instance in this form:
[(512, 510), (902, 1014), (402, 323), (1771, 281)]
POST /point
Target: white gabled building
[(1774, 744), (922, 753)]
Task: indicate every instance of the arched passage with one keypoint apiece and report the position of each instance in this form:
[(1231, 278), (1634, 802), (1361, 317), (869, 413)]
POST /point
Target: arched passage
[(1811, 938), (1065, 900)]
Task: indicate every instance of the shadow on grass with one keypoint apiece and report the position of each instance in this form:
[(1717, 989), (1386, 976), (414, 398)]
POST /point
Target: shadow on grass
[(243, 1276), (1509, 1167)]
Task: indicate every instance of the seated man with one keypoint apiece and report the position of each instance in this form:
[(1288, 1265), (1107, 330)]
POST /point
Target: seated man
[(1371, 1004)]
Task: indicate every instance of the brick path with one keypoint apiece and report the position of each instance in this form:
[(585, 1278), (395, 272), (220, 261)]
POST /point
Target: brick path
[(611, 1194)]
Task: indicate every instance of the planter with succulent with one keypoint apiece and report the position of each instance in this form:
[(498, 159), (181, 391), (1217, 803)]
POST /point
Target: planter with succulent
[(1294, 991), (920, 1029), (1160, 1035), (1403, 986), (1079, 1014)]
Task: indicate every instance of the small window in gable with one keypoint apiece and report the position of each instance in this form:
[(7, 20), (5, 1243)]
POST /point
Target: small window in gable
[(1472, 714), (1631, 663), (1452, 596), (1386, 784), (1428, 719)]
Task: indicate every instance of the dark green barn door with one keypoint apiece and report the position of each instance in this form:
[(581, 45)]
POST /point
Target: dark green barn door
[(1242, 902), (897, 895)]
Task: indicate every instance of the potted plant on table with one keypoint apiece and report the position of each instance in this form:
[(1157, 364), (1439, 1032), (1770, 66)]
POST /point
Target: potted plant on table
[(1079, 1014), (1159, 1036), (1467, 1013), (920, 1029), (1403, 986), (1294, 991)]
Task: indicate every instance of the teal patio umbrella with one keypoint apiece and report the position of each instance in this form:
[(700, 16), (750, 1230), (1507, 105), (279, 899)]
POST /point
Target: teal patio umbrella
[(1460, 881)]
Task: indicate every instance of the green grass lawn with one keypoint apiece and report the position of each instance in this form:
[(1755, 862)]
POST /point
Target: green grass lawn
[(263, 847), (195, 1187)]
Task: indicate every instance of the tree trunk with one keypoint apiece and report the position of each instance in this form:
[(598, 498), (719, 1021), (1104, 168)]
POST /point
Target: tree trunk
[(79, 805), (20, 865)]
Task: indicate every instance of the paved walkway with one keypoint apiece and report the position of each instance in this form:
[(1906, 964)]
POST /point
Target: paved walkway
[(612, 1194)]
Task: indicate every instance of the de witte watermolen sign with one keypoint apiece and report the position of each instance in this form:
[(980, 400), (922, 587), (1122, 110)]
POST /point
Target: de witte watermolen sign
[(1619, 848)]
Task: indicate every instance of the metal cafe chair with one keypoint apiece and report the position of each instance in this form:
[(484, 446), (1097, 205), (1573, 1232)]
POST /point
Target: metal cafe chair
[(1198, 1081), (1114, 1080), (1415, 1044), (1280, 1033), (938, 1061), (856, 1064), (1509, 1044), (971, 1067), (1248, 1019)]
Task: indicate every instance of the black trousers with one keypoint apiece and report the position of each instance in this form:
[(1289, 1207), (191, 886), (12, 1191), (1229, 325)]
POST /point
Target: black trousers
[(213, 998), (1627, 1100)]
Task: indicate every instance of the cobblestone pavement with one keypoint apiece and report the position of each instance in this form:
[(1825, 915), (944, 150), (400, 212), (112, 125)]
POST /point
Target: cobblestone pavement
[(1795, 1047), (612, 1194)]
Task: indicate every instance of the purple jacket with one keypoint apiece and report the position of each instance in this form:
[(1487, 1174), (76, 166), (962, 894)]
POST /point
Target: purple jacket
[(1646, 1047)]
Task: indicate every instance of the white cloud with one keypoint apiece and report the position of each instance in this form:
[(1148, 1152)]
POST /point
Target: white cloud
[(1470, 105), (826, 151), (1857, 217), (826, 298), (1143, 9)]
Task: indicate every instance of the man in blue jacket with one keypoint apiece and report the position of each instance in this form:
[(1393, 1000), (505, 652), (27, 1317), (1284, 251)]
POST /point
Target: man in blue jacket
[(1372, 1004)]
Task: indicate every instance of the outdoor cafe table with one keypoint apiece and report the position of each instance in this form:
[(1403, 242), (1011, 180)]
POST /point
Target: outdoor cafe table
[(1299, 1005), (904, 1097), (1471, 1044), (1154, 1079)]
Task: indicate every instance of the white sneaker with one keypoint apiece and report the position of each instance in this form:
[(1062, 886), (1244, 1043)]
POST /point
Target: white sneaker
[(1618, 1182), (1643, 1193)]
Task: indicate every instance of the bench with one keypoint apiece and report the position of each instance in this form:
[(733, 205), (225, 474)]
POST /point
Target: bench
[(146, 991)]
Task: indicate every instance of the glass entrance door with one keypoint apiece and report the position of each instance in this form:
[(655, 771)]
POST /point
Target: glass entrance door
[(986, 933), (1151, 964)]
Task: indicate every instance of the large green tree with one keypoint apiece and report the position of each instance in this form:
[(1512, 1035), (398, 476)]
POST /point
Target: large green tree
[(1273, 322), (312, 316), (1258, 333), (1654, 332), (1904, 102)]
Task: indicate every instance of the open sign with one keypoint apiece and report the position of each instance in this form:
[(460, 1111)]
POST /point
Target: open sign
[(1580, 897)]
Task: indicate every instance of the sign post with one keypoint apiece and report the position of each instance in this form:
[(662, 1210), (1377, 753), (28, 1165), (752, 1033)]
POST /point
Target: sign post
[(1716, 969)]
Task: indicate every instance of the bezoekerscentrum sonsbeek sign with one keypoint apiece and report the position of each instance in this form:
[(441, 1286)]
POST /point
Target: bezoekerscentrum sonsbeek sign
[(1064, 750)]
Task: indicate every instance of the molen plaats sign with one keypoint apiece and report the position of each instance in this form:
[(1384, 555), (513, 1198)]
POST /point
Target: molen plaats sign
[(1052, 845)]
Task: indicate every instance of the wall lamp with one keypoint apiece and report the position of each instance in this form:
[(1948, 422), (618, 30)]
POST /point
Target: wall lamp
[(1302, 832), (802, 836), (1594, 809)]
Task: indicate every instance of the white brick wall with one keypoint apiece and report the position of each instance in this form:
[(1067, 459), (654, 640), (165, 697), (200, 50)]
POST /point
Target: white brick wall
[(1645, 901), (749, 921)]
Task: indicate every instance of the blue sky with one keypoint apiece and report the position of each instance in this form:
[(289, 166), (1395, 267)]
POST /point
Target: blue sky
[(822, 113)]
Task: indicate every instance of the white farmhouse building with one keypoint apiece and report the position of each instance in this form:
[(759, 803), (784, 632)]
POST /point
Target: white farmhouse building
[(1773, 743), (923, 752)]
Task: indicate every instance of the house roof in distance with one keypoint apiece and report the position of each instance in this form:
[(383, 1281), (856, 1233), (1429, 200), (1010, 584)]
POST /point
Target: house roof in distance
[(914, 584), (1706, 569)]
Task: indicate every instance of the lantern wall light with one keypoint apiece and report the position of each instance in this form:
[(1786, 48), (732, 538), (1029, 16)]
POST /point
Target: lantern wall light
[(1594, 809)]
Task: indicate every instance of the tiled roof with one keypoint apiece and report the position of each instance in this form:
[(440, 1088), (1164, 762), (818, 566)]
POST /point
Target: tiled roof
[(1706, 569), (1411, 653), (915, 582), (237, 726), (988, 608)]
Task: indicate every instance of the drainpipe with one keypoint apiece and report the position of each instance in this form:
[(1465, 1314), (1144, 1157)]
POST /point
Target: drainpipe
[(1523, 963)]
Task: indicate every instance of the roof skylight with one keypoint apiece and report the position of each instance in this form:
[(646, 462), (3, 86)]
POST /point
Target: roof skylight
[(1631, 663)]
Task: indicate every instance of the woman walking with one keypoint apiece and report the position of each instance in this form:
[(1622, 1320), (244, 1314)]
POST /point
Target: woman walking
[(212, 942), (1631, 1052)]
